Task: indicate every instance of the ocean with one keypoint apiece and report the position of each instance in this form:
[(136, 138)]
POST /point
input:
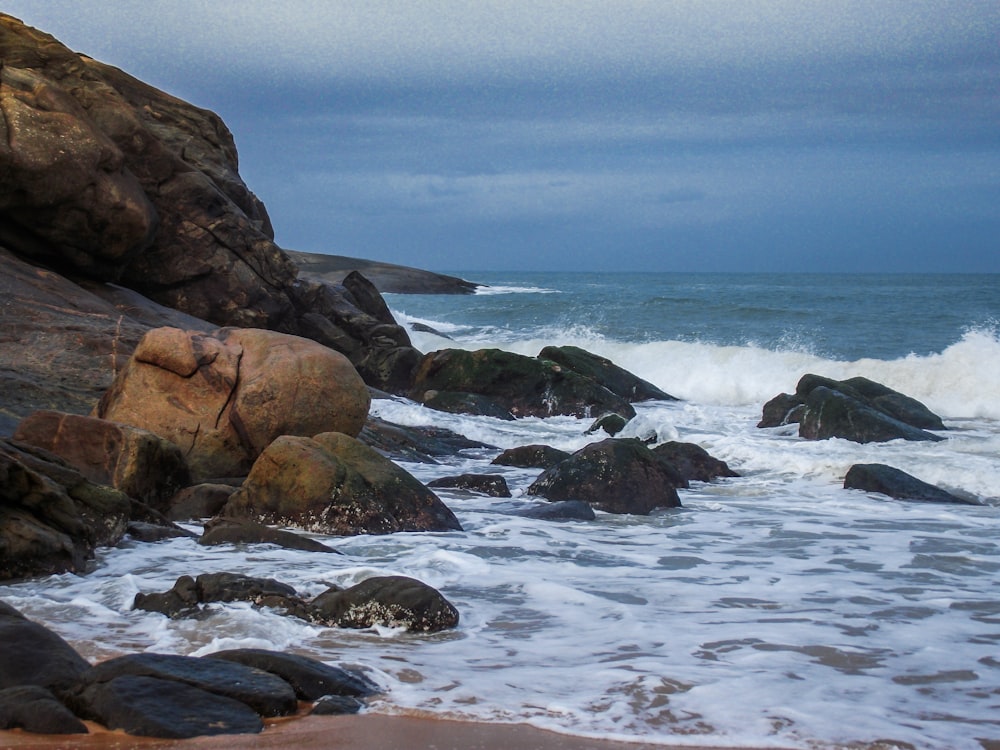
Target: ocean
[(775, 609)]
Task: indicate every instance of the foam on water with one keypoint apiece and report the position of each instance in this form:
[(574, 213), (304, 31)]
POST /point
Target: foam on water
[(773, 609)]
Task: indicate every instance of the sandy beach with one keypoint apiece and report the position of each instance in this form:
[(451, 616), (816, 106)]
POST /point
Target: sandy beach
[(365, 732)]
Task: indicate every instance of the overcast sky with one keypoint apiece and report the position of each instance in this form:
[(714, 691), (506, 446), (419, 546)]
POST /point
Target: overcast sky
[(680, 135)]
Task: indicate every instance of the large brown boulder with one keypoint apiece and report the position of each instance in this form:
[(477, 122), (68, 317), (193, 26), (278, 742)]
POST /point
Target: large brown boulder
[(141, 464), (51, 517), (224, 397), (334, 484)]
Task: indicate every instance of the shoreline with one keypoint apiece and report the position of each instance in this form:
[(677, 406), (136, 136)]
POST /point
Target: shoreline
[(354, 732)]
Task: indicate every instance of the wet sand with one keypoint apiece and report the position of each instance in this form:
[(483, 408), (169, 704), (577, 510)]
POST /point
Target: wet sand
[(364, 732)]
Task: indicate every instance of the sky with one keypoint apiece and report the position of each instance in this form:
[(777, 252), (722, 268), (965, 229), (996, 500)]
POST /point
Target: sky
[(618, 135)]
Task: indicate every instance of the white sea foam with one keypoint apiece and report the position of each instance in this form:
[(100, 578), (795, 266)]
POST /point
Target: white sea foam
[(775, 609)]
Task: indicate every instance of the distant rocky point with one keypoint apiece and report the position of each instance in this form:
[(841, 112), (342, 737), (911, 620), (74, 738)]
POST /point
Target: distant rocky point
[(388, 278)]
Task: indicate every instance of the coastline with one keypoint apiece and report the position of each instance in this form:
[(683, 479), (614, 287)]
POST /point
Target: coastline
[(357, 732)]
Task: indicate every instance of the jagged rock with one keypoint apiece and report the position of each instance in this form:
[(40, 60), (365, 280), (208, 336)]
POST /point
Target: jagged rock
[(416, 444), (531, 457), (199, 501), (51, 517), (855, 409), (334, 484), (230, 531), (692, 461), (524, 386), (151, 532), (155, 707), (310, 679), (188, 593), (887, 480), (35, 709), (493, 485), (391, 601), (561, 510), (614, 475), (34, 655), (611, 423), (603, 371), (139, 463), (224, 398)]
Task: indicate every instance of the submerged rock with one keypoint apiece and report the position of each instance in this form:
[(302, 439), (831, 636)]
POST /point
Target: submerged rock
[(418, 444), (887, 480), (692, 461), (493, 485), (531, 457), (614, 475), (560, 510), (232, 531)]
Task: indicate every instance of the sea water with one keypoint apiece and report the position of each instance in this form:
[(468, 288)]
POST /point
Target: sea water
[(776, 608)]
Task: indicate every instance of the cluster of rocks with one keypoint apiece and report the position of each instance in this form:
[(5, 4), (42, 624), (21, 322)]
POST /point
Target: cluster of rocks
[(47, 687)]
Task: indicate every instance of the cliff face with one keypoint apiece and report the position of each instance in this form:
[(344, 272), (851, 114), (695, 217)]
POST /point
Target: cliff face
[(106, 179)]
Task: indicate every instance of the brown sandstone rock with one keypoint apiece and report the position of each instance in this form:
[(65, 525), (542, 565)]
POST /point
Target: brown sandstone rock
[(135, 461), (223, 398), (334, 484)]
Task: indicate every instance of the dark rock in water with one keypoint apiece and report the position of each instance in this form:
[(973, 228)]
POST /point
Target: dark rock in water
[(335, 484), (692, 461), (155, 707), (615, 475), (51, 517), (199, 501), (856, 409), (424, 328), (493, 485), (831, 413), (878, 396), (619, 381), (35, 709), (310, 679), (466, 403), (34, 655), (531, 457), (785, 408), (525, 386), (388, 277), (188, 593), (265, 693), (611, 423), (139, 463), (562, 510), (418, 444), (391, 601), (151, 532), (887, 480), (230, 531), (336, 705)]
